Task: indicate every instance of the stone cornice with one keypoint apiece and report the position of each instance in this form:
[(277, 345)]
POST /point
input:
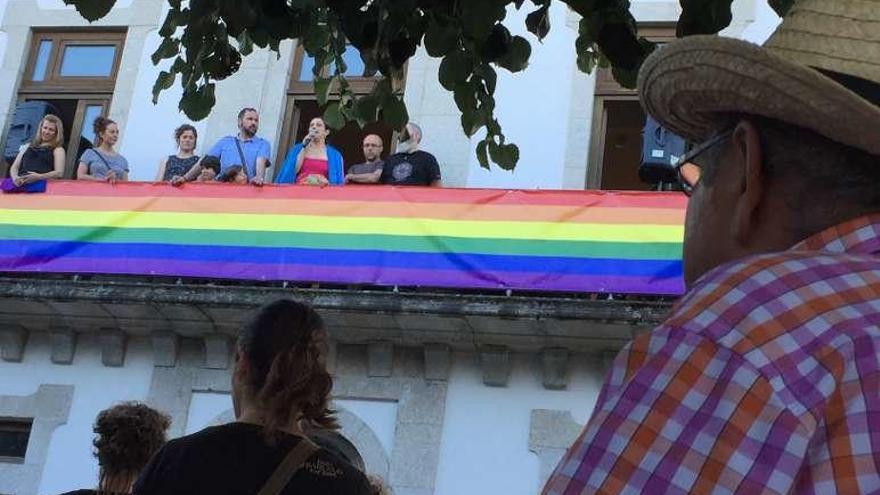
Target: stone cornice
[(461, 321)]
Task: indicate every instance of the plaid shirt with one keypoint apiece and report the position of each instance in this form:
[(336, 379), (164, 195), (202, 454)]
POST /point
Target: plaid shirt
[(765, 379)]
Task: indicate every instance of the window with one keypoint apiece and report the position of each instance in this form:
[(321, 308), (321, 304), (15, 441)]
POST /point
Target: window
[(302, 107), (618, 120), (70, 61), (14, 436), (75, 72)]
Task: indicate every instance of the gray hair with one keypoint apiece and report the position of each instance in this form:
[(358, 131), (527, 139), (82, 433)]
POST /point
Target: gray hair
[(418, 132)]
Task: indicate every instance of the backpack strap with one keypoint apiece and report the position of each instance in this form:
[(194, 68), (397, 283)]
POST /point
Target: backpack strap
[(291, 464)]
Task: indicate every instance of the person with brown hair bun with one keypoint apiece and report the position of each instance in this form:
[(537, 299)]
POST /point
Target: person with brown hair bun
[(127, 436), (102, 163), (280, 385)]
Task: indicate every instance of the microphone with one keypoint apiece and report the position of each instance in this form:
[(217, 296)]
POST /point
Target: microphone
[(308, 139)]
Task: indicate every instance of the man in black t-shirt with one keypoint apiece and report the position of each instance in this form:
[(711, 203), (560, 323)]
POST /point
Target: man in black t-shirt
[(410, 166)]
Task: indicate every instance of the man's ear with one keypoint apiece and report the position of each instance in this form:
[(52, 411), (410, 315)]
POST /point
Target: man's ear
[(747, 154)]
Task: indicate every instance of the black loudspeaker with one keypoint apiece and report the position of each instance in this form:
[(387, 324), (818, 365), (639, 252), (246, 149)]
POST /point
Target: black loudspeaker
[(661, 150)]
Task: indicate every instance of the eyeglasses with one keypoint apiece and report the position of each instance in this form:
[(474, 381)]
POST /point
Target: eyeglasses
[(689, 172)]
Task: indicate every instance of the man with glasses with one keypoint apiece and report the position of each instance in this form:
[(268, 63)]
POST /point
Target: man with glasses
[(765, 378), (369, 171)]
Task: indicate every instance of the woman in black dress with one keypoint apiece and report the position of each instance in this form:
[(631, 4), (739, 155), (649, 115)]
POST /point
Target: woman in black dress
[(43, 157), (178, 164)]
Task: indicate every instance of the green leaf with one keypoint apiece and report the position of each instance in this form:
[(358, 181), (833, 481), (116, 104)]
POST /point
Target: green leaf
[(197, 104), (169, 47), (781, 6), (538, 22), (366, 109), (625, 77), (440, 39), (479, 16), (703, 17), (490, 78), (322, 89), (172, 21), (507, 156), (454, 68), (482, 154), (464, 97), (163, 82), (92, 10), (245, 44), (394, 113), (333, 116), (517, 57), (472, 121)]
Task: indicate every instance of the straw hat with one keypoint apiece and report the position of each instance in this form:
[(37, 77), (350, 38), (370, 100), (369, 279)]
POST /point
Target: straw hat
[(820, 70)]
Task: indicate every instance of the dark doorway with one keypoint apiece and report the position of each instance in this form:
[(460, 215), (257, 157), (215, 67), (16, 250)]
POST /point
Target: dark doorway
[(624, 120)]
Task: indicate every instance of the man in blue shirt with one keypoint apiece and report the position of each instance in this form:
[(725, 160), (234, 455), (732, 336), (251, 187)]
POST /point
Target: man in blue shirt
[(245, 146)]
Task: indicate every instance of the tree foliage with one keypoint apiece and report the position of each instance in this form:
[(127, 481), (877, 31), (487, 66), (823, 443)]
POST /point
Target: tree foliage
[(207, 40)]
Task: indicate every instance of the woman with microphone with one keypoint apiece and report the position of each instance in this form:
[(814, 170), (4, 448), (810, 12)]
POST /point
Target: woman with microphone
[(313, 161)]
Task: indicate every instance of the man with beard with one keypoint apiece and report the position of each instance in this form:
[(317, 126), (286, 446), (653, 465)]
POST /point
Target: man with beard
[(245, 148), (411, 166)]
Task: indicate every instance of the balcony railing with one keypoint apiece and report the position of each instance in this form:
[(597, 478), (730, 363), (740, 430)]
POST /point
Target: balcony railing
[(559, 241)]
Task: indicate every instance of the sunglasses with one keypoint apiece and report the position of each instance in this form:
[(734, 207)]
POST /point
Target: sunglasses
[(688, 170)]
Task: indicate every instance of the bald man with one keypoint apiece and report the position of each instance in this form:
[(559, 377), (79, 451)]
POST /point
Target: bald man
[(369, 171)]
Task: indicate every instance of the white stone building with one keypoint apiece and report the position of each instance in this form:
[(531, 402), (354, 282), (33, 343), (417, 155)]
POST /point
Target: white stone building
[(479, 398)]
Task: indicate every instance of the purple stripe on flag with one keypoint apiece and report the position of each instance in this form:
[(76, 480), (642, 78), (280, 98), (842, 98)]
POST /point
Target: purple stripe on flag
[(350, 275)]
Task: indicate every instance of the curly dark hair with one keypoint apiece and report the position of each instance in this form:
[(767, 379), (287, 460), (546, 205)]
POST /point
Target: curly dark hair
[(287, 357), (127, 436), (183, 128)]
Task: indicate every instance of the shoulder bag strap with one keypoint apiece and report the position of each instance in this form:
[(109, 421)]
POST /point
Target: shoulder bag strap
[(243, 162), (102, 159), (289, 467)]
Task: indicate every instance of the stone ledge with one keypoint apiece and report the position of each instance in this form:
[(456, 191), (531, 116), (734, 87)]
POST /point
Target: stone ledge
[(461, 321)]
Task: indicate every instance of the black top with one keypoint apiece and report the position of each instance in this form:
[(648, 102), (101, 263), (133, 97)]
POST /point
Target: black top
[(236, 459), (37, 159), (178, 166), (419, 168)]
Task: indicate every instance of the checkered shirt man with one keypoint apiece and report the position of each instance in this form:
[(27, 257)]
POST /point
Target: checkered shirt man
[(764, 380)]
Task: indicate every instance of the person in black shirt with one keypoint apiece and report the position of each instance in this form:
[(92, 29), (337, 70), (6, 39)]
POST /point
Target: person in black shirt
[(127, 436), (410, 166), (43, 157), (279, 386)]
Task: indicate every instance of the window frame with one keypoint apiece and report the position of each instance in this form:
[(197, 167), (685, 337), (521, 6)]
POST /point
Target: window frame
[(358, 84), (16, 425), (53, 81), (607, 89)]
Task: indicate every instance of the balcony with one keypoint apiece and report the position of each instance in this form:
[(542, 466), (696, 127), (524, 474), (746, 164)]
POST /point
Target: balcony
[(462, 268)]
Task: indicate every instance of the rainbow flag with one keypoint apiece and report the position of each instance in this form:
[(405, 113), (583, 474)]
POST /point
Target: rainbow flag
[(581, 241)]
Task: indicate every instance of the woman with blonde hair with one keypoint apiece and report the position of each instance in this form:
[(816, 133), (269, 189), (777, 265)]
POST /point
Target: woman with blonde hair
[(43, 157)]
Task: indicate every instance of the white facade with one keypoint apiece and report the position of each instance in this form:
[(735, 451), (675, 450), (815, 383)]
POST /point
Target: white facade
[(547, 109), (482, 433), (481, 439)]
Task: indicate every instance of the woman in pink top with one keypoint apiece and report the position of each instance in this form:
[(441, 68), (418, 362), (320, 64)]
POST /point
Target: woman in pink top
[(313, 161)]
